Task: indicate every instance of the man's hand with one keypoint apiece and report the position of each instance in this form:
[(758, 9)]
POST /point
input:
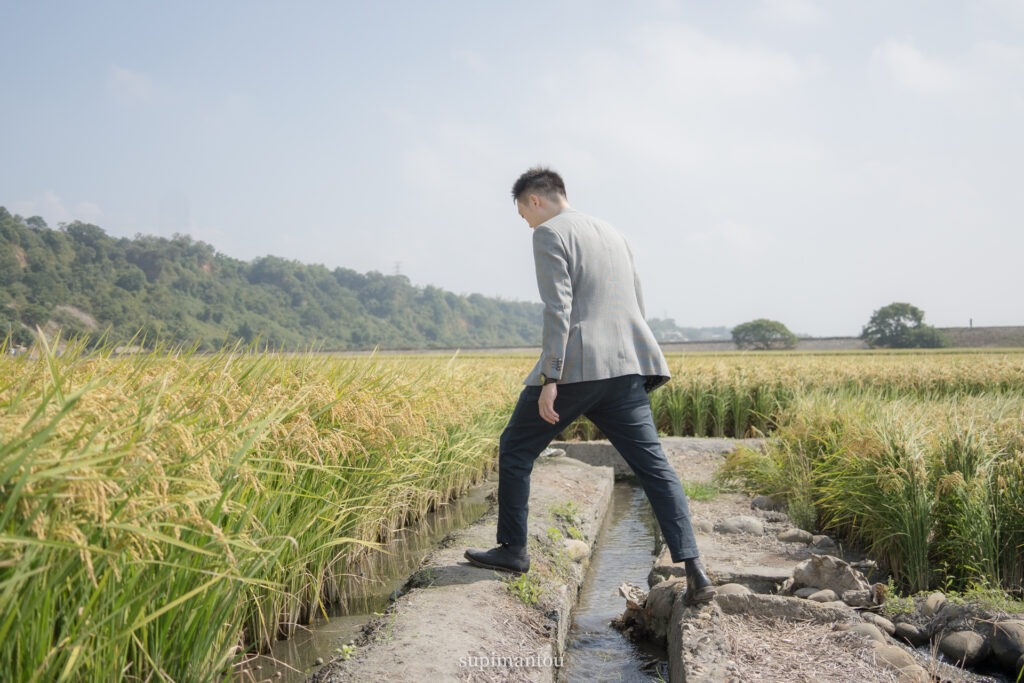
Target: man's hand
[(546, 403)]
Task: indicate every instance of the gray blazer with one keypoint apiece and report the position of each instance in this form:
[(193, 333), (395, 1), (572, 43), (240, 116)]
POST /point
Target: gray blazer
[(594, 325)]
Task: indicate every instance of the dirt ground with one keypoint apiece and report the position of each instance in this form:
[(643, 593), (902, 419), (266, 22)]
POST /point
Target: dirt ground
[(772, 649)]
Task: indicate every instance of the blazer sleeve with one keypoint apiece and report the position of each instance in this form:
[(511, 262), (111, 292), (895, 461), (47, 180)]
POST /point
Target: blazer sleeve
[(555, 286)]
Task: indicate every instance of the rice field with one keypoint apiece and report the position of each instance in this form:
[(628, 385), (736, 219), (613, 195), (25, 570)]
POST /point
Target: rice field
[(917, 458), (166, 514), (163, 514)]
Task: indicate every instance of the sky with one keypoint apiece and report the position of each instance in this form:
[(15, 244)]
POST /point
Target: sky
[(807, 162)]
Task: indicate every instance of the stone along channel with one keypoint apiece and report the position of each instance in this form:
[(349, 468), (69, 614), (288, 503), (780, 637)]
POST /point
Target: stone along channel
[(625, 550)]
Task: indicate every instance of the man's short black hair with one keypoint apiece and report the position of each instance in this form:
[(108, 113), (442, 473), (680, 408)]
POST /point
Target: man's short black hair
[(539, 180)]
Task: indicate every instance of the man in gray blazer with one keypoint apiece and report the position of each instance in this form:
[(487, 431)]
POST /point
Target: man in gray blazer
[(600, 359)]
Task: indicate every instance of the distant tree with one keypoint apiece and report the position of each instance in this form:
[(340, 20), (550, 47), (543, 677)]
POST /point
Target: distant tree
[(900, 326), (10, 268), (132, 279), (763, 334)]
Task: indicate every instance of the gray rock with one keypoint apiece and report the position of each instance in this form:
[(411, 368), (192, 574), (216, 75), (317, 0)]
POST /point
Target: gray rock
[(577, 550), (911, 633), (864, 629), (740, 524), (915, 674), (1008, 641), (859, 598), (933, 604), (767, 503), (879, 621), (965, 648), (823, 541), (781, 607), (733, 589), (552, 452), (795, 536), (806, 591), (658, 608), (657, 575), (824, 595), (825, 571), (704, 526), (894, 656)]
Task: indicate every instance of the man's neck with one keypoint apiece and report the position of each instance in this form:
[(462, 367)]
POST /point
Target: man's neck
[(554, 208)]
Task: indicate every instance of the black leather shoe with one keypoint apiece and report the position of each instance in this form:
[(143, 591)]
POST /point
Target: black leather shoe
[(699, 588), (699, 596), (504, 558)]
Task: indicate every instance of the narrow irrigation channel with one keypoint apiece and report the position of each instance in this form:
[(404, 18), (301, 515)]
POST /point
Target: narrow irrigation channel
[(625, 551), (378, 582)]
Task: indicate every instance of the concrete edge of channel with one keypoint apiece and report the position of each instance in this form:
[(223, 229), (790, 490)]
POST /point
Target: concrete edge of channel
[(455, 617), (696, 644)]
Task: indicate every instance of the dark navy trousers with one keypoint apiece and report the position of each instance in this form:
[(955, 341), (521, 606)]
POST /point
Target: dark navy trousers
[(621, 409)]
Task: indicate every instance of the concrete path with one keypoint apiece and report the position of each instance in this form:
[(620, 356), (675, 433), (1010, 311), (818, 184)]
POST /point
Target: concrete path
[(459, 623)]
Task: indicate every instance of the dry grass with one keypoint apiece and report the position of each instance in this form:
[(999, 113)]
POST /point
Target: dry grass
[(778, 650)]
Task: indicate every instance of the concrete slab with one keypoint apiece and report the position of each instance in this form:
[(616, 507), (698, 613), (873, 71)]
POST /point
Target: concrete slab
[(459, 622)]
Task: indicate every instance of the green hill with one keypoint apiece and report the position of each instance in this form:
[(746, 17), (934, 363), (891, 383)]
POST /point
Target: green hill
[(81, 281)]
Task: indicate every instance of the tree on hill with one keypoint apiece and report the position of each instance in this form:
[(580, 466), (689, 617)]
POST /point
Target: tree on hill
[(763, 334), (900, 326)]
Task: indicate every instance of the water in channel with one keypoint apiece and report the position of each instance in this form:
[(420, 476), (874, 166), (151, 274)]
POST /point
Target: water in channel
[(291, 661), (624, 551)]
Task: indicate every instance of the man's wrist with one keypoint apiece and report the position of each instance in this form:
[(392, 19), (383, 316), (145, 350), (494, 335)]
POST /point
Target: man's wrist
[(545, 380)]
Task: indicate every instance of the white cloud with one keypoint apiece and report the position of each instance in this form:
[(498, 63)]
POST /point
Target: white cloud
[(987, 74), (670, 93), (790, 12), (694, 64), (131, 87), (909, 67), (453, 154), (54, 211), (87, 212)]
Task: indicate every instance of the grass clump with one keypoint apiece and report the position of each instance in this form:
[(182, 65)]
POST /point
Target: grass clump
[(700, 490), (930, 486), (527, 587), (570, 519)]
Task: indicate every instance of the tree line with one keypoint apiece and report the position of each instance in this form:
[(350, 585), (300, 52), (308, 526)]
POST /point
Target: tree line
[(180, 291), (896, 326), (80, 281)]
